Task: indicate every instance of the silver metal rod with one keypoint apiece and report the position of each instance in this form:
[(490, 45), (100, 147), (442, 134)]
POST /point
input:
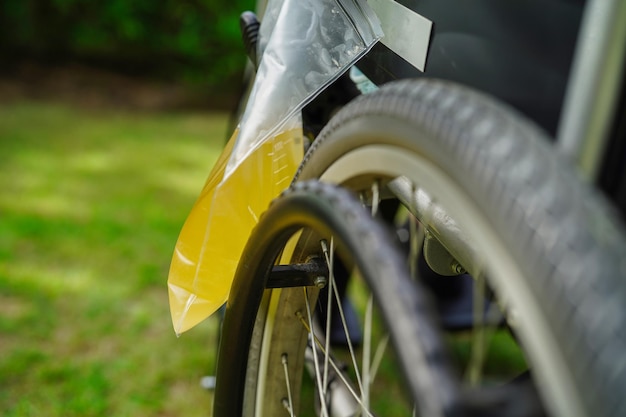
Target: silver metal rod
[(437, 221), (593, 86)]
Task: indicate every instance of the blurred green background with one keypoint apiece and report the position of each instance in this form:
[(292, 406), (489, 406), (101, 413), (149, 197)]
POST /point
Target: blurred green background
[(112, 113), (90, 209), (194, 40)]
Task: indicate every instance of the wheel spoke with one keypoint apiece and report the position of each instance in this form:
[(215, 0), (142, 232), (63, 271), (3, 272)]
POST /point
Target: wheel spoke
[(375, 197), (343, 319), (318, 376), (331, 282), (378, 356), (367, 340), (416, 235), (332, 362), (414, 242), (485, 323), (475, 365), (289, 404)]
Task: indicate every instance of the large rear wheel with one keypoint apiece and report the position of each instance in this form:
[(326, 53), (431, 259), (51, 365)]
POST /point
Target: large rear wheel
[(493, 199)]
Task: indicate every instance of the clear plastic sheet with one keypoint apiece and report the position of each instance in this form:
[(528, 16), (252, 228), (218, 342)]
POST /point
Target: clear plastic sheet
[(304, 46)]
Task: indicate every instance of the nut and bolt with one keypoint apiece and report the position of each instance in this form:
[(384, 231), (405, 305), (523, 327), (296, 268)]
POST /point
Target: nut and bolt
[(320, 281), (457, 268)]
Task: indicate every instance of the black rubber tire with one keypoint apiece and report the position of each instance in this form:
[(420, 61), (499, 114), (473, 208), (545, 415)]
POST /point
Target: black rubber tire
[(329, 211), (559, 233)]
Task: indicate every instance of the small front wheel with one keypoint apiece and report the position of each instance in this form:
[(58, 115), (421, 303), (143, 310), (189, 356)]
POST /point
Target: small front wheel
[(276, 359)]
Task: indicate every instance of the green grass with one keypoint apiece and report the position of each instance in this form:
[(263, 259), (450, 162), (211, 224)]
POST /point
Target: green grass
[(91, 204)]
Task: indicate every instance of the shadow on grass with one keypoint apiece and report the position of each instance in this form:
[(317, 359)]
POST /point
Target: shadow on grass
[(90, 209)]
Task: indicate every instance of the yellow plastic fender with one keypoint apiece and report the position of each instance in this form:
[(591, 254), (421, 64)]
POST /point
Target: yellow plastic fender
[(214, 235), (300, 58)]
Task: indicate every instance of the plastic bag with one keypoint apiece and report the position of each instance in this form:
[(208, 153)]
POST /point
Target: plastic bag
[(304, 46)]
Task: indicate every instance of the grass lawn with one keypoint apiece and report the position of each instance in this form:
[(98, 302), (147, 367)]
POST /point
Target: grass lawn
[(91, 204)]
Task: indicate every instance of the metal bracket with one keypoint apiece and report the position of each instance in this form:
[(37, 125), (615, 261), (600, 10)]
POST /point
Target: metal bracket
[(311, 274)]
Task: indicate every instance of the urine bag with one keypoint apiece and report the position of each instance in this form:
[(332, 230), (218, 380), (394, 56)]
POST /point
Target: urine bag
[(304, 46)]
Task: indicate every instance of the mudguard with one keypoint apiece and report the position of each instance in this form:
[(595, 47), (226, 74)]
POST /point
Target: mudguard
[(304, 46)]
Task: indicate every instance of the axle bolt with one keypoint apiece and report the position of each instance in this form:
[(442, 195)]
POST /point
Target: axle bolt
[(320, 281), (458, 268)]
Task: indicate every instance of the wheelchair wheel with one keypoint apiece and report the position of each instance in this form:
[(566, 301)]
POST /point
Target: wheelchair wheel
[(493, 199), (271, 334)]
